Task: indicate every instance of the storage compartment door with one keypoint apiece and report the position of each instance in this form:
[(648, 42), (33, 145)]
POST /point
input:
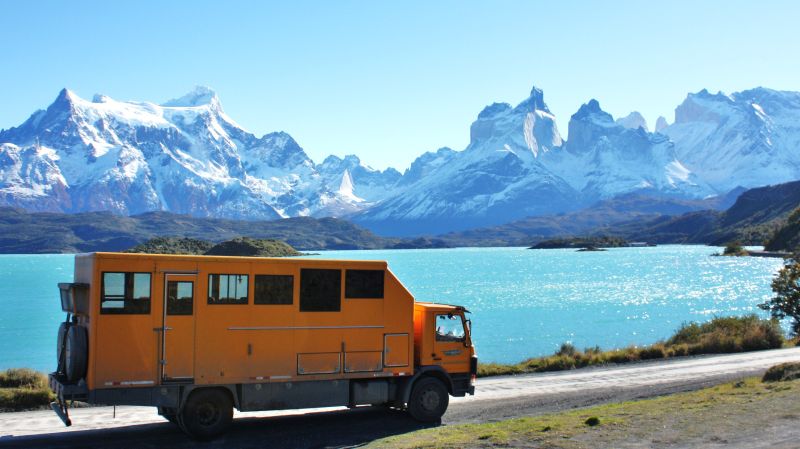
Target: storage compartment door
[(395, 350)]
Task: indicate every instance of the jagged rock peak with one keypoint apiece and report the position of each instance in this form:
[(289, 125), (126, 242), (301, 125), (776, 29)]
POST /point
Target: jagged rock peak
[(535, 102), (661, 123), (494, 109), (199, 96), (634, 120), (592, 109)]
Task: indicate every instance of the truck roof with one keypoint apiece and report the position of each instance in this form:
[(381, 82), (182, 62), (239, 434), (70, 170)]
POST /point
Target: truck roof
[(191, 257), (441, 307)]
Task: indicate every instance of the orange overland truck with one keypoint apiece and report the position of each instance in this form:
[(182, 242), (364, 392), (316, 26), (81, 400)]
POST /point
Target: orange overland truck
[(197, 336)]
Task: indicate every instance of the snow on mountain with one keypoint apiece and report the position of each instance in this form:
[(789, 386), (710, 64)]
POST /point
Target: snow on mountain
[(634, 120), (749, 138), (498, 177), (185, 156), (661, 123), (368, 184), (604, 158)]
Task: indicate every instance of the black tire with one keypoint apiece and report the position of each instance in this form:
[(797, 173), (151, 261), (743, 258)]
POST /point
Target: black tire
[(62, 336), (429, 400), (76, 351), (206, 414)]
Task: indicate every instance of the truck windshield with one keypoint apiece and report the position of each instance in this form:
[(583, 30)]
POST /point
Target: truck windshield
[(449, 328)]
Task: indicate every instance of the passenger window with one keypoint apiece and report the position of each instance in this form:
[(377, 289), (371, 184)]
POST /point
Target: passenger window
[(227, 288), (449, 328), (320, 290), (180, 297), (125, 294), (363, 284), (273, 289)]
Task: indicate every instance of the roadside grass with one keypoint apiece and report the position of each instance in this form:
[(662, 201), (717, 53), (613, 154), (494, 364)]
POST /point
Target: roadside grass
[(718, 336), (686, 417), (23, 389)]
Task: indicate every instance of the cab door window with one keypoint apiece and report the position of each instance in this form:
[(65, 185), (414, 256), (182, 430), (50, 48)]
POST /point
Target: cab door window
[(449, 328)]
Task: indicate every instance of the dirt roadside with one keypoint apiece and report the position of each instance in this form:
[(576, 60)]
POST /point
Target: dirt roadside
[(498, 399)]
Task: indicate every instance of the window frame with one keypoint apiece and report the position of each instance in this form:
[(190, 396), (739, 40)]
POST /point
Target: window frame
[(346, 284), (272, 275), (217, 302), (145, 308), (436, 333)]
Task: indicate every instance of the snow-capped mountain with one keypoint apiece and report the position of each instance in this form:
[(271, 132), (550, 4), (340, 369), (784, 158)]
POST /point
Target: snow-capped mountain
[(749, 138), (604, 158), (497, 178), (634, 120), (185, 156), (188, 156), (518, 165)]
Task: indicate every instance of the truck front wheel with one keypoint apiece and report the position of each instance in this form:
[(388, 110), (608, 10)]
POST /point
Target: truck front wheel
[(206, 414), (429, 400)]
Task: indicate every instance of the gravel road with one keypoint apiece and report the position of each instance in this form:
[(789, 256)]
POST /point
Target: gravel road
[(496, 398)]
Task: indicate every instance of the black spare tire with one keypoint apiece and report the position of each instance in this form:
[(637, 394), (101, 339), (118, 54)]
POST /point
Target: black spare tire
[(62, 339), (76, 352)]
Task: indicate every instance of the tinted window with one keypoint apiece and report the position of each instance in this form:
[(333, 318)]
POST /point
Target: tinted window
[(227, 288), (180, 297), (125, 293), (363, 284), (273, 289), (320, 290)]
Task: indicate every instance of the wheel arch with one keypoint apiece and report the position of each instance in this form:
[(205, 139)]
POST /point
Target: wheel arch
[(434, 371), (230, 390)]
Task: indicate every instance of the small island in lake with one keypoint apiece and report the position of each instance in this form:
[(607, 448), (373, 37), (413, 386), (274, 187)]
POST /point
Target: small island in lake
[(587, 243), (240, 246)]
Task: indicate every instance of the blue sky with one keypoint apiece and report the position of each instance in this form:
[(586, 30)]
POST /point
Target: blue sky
[(390, 80)]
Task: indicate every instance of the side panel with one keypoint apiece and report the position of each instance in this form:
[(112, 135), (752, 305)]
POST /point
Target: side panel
[(125, 348), (292, 395)]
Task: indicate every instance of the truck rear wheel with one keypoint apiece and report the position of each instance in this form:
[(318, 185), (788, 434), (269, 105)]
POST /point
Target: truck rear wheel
[(429, 400), (207, 413)]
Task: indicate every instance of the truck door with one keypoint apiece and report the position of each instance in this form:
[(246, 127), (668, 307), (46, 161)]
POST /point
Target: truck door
[(450, 342), (177, 336)]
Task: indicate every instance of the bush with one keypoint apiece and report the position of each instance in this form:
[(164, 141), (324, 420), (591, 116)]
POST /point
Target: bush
[(782, 372), (656, 351), (22, 378), (728, 334), (18, 399)]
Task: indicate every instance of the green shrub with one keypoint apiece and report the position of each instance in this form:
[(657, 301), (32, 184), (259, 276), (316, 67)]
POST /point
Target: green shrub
[(22, 378), (17, 399), (592, 421), (656, 351), (782, 372)]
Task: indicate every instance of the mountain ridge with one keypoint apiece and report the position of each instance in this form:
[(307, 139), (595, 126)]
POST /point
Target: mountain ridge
[(187, 156)]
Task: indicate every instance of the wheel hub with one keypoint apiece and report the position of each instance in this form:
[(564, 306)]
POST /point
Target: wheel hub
[(429, 400)]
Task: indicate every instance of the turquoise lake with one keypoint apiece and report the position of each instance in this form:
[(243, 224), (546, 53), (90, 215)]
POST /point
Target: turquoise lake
[(524, 302)]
